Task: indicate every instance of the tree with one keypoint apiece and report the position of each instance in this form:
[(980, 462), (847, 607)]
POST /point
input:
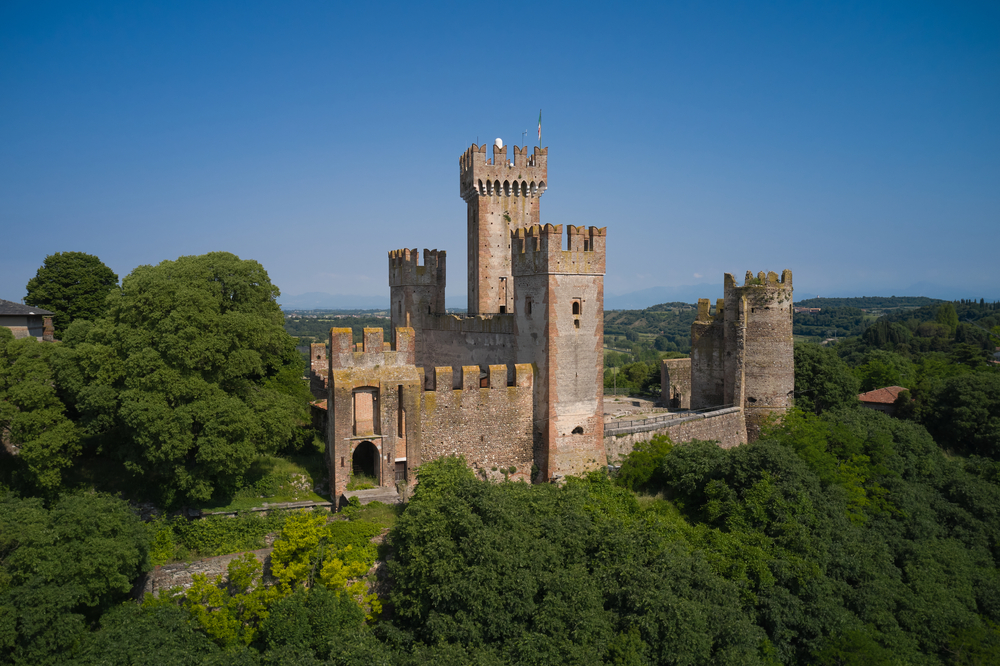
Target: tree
[(884, 368), (947, 316), (33, 421), (966, 414), (73, 285), (61, 568), (822, 380), (884, 332), (191, 376)]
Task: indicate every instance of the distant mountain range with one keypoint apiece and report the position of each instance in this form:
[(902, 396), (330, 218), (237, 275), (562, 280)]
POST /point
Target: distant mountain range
[(634, 300), (319, 300)]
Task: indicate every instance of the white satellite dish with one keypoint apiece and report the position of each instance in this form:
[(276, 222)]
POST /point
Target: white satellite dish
[(499, 142)]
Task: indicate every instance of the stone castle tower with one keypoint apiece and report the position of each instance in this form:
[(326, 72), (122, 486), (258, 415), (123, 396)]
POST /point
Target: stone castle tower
[(559, 328), (503, 196), (742, 355)]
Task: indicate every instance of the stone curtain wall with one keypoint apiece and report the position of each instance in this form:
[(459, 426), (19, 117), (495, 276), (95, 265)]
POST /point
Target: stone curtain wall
[(726, 426), (491, 427), (675, 383), (181, 575)]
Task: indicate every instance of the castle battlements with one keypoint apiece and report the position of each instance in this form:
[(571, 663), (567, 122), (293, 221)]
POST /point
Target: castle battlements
[(471, 379), (704, 310), (373, 352), (769, 279), (539, 249), (405, 268), (523, 176)]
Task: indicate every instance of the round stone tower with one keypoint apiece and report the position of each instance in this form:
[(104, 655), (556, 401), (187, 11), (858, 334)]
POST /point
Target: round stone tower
[(760, 367)]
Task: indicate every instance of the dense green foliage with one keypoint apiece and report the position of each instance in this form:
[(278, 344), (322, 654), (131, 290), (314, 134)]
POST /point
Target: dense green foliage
[(177, 538), (870, 302), (71, 285), (61, 568), (940, 353), (666, 326), (550, 575), (33, 419), (822, 380), (316, 328), (190, 377), (830, 322)]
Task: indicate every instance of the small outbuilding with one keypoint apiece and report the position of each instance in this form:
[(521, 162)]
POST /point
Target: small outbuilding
[(26, 321), (882, 399)]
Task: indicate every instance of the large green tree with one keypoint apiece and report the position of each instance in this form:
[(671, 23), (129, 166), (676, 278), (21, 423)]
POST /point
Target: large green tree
[(190, 377), (964, 414), (33, 421), (61, 568), (73, 285), (822, 380)]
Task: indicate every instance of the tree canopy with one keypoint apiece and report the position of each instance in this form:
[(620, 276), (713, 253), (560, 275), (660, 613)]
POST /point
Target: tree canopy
[(73, 285), (61, 568), (190, 376)]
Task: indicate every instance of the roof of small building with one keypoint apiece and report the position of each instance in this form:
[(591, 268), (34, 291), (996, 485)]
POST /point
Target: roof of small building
[(12, 308), (321, 404), (882, 396)]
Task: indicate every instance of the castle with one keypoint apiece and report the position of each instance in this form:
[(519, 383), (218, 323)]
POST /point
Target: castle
[(515, 385), (742, 355)]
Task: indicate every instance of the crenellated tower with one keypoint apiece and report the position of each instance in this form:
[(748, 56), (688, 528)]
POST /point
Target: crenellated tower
[(742, 355), (415, 290), (758, 338), (502, 195), (559, 327)]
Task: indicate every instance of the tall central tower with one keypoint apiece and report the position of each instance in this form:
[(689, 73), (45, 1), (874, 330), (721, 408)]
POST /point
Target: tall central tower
[(502, 196)]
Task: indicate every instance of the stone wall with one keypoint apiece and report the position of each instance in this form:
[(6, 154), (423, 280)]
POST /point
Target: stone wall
[(457, 341), (725, 426), (182, 574), (675, 382), (760, 313), (490, 427), (708, 359)]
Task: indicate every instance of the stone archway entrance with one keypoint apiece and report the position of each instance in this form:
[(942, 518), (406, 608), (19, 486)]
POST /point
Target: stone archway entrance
[(365, 460)]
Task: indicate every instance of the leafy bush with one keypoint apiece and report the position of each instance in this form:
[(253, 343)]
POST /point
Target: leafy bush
[(177, 538)]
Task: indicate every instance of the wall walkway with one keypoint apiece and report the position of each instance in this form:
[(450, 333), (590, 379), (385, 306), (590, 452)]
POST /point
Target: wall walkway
[(725, 425)]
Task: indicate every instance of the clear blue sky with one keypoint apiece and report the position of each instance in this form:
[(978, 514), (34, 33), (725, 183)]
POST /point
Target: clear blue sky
[(857, 143)]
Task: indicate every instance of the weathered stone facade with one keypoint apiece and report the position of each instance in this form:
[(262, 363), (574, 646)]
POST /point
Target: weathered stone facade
[(517, 382), (742, 355), (725, 426), (515, 385), (675, 382)]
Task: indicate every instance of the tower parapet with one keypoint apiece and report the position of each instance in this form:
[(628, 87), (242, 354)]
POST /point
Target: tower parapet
[(416, 291), (524, 176), (405, 268), (538, 250), (502, 195)]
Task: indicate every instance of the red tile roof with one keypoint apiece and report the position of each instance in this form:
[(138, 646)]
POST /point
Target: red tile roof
[(883, 396), (320, 403)]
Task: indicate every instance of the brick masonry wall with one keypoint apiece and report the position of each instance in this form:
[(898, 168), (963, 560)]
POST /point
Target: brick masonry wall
[(491, 427), (725, 426), (458, 341)]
